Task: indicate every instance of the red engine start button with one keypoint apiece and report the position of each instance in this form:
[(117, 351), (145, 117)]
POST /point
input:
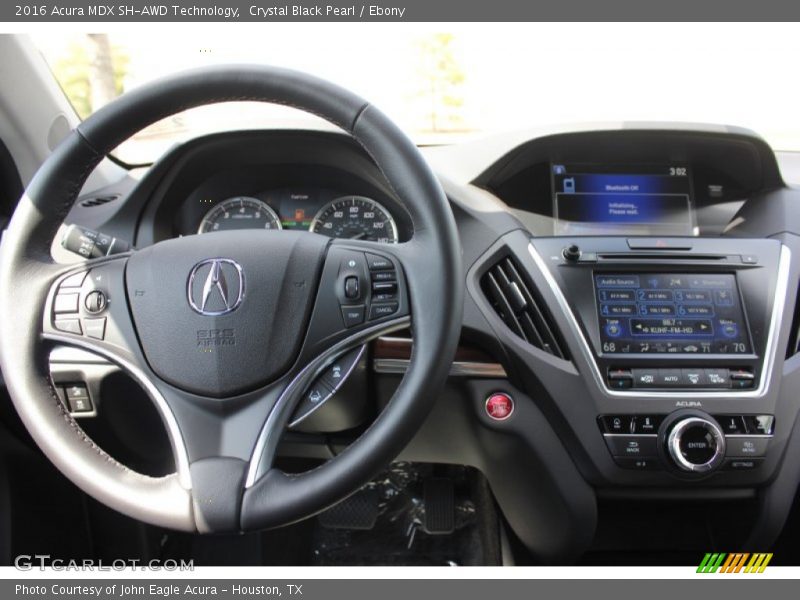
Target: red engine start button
[(499, 406)]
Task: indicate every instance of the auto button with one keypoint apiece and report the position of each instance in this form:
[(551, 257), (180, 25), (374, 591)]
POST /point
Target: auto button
[(668, 378)]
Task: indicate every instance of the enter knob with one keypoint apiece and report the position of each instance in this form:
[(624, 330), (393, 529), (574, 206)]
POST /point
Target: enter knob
[(696, 445)]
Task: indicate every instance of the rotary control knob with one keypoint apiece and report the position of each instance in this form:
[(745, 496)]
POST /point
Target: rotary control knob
[(696, 444)]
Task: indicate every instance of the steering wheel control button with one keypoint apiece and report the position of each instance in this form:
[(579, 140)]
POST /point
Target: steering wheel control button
[(77, 397), (378, 311), (66, 303), (379, 263), (352, 288), (69, 326), (95, 301), (341, 368), (632, 446), (316, 395), (353, 315), (747, 446), (499, 406), (74, 281), (95, 328), (384, 276), (696, 444)]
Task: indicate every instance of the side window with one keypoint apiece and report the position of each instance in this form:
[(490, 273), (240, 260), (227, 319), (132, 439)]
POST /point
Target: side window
[(10, 185)]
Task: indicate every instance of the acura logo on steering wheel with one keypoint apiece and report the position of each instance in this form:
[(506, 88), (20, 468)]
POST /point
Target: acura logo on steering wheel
[(222, 286)]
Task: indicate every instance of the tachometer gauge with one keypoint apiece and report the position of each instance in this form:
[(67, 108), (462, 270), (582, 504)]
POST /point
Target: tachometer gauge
[(355, 218), (240, 212)]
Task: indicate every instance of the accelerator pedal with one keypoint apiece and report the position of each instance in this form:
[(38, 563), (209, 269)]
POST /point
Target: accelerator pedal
[(440, 506)]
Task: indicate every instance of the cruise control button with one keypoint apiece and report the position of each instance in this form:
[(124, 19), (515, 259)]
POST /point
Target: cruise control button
[(376, 311), (384, 276), (632, 445), (69, 325), (65, 303), (746, 447), (353, 315), (74, 281), (378, 263), (95, 328), (384, 287), (760, 424)]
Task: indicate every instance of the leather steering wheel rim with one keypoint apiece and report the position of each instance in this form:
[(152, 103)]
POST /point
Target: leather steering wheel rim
[(27, 273)]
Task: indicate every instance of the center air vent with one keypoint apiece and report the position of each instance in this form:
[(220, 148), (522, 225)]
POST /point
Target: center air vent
[(517, 305)]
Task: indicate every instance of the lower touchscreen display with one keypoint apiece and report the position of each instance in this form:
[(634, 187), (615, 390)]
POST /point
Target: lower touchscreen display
[(622, 200), (655, 313)]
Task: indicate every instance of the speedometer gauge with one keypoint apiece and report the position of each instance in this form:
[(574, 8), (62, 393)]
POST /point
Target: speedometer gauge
[(355, 218), (240, 212)]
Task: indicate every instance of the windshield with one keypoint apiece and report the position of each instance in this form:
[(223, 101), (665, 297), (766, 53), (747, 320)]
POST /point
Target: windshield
[(452, 82)]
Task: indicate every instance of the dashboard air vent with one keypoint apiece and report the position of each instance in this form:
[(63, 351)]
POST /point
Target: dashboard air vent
[(98, 200), (794, 338), (518, 306)]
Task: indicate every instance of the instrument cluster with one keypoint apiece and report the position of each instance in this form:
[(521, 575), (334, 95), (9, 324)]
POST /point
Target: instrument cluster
[(324, 211)]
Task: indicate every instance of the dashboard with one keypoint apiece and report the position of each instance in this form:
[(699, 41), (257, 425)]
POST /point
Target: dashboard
[(678, 183), (631, 290), (308, 181)]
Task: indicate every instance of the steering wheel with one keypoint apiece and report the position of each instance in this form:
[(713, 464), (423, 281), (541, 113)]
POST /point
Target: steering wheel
[(226, 331)]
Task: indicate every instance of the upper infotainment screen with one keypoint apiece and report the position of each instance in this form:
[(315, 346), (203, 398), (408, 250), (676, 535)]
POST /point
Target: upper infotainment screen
[(614, 200), (655, 313)]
